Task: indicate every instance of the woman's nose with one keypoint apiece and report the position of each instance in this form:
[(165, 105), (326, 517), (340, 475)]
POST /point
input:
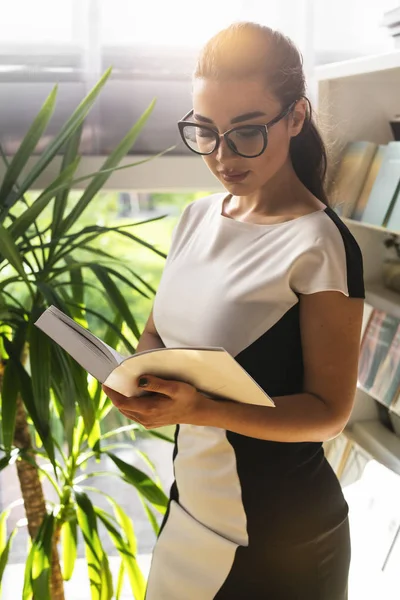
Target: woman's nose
[(223, 150)]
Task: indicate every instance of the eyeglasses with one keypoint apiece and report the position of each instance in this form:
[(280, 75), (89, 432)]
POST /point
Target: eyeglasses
[(248, 141)]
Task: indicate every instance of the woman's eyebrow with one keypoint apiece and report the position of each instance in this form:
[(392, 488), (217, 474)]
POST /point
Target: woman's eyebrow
[(239, 119)]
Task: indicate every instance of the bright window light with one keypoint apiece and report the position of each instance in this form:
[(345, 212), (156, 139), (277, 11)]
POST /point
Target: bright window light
[(38, 21), (172, 22)]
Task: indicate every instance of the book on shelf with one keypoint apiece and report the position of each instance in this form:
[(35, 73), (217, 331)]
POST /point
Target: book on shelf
[(375, 345), (353, 465), (352, 171), (384, 191), (394, 407), (211, 370), (346, 457), (395, 122), (394, 414), (367, 314), (393, 219), (337, 452), (368, 183), (387, 380)]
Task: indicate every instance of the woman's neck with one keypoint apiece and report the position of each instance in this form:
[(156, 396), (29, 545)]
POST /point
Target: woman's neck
[(284, 195)]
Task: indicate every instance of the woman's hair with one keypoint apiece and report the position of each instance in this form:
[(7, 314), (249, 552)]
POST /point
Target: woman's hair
[(246, 50)]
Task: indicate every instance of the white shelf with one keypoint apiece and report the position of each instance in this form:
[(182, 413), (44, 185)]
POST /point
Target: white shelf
[(359, 66), (377, 441), (383, 299), (364, 391), (353, 223)]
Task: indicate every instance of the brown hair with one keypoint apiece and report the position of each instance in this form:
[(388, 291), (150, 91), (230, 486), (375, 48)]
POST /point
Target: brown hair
[(247, 50)]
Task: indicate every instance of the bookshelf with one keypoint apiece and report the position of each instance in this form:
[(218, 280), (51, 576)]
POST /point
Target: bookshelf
[(356, 100), (383, 299), (377, 441)]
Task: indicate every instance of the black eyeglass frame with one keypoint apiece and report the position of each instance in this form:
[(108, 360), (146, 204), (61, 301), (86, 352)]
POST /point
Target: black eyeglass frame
[(262, 128)]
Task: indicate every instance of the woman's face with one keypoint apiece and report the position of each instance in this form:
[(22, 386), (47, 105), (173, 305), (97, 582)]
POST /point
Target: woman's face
[(216, 104)]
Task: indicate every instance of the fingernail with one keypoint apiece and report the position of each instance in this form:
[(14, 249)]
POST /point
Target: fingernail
[(143, 381)]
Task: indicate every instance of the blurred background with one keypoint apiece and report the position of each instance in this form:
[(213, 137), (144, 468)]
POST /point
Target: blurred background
[(152, 47)]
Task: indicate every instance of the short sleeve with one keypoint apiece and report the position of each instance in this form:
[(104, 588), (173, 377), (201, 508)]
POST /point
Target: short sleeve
[(333, 263), (178, 233)]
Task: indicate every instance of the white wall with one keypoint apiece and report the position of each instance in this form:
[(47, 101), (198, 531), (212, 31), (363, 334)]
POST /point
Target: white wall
[(352, 25)]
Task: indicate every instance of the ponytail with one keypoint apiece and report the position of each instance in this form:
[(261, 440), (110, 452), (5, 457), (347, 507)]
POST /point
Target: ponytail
[(309, 158)]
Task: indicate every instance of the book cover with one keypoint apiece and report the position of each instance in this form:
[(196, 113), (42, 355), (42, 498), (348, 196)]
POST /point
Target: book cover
[(384, 190), (387, 380), (393, 219), (395, 122), (377, 339), (394, 413), (368, 184), (351, 174), (367, 315)]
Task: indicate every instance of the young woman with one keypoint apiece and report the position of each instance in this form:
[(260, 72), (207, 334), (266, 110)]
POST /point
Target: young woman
[(268, 271)]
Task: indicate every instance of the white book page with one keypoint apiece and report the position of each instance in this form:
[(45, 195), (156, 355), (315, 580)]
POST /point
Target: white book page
[(213, 371), (89, 351)]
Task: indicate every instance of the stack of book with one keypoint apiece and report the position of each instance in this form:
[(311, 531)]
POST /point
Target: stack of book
[(379, 366), (366, 186)]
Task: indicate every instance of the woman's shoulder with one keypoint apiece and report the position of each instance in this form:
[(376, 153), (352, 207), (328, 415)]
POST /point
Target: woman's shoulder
[(326, 226), (201, 206), (328, 257)]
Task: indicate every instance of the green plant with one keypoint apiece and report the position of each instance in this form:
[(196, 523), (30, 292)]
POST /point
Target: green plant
[(45, 258)]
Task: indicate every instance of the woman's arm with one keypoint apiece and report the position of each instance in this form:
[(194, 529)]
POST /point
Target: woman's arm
[(330, 328), (149, 340)]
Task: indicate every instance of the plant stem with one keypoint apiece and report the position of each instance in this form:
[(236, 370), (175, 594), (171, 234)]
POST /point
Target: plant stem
[(34, 501)]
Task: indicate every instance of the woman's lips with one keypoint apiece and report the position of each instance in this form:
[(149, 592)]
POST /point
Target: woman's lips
[(234, 176)]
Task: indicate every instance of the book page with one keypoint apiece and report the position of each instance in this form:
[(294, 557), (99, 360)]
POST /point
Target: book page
[(212, 371), (89, 351)]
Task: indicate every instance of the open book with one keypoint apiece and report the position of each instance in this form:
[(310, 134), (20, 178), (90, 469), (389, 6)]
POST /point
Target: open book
[(212, 371)]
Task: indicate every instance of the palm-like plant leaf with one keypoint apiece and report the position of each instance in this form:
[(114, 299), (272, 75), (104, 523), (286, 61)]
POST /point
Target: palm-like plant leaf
[(28, 217), (46, 270), (9, 251), (69, 540), (99, 575), (5, 543), (64, 386), (142, 482), (60, 202), (40, 355), (112, 161), (151, 517), (68, 129), (136, 579), (116, 297), (37, 568), (9, 404), (27, 147), (42, 428)]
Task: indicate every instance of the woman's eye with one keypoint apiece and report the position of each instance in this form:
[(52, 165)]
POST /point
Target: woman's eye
[(247, 133), (204, 133)]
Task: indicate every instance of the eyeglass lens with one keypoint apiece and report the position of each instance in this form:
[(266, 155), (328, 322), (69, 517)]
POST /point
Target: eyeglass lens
[(248, 141)]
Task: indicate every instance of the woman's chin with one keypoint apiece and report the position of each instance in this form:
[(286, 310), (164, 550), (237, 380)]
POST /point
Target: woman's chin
[(242, 188)]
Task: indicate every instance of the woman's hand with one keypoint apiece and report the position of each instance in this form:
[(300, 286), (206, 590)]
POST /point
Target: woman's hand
[(170, 403)]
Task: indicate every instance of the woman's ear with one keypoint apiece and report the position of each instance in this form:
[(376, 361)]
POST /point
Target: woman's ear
[(298, 116)]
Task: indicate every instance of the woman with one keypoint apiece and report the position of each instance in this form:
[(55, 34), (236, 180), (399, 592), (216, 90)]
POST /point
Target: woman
[(268, 271)]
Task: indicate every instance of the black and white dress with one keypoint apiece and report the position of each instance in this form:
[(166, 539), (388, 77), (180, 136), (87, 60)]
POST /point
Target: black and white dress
[(249, 518)]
